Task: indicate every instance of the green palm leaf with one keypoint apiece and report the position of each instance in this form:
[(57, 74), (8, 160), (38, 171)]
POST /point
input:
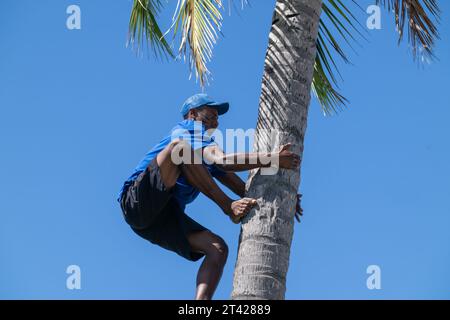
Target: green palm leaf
[(144, 29), (337, 24)]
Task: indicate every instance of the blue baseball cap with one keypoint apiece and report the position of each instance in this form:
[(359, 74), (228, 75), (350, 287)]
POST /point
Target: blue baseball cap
[(200, 100)]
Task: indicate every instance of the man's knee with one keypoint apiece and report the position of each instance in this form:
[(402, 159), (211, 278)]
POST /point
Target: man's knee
[(181, 152), (218, 250), (174, 143), (213, 246)]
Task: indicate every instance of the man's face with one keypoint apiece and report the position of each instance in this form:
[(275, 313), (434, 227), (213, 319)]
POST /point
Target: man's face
[(208, 116)]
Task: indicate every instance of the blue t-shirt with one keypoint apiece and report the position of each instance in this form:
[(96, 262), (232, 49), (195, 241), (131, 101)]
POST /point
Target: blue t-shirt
[(195, 133)]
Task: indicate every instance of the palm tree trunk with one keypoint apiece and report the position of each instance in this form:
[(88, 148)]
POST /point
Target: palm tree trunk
[(266, 233)]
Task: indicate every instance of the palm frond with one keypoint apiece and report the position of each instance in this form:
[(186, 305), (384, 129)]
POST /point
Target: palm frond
[(419, 15), (338, 25), (198, 20), (144, 28), (329, 98)]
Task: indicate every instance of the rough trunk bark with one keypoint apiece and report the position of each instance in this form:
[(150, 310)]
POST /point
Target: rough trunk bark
[(266, 233)]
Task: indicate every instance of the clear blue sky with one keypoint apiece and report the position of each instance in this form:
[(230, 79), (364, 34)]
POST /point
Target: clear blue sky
[(79, 110)]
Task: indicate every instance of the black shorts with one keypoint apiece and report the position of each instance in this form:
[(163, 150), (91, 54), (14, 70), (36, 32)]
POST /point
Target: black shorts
[(154, 214)]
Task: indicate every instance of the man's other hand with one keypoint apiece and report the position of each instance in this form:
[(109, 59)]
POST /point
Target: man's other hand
[(287, 159)]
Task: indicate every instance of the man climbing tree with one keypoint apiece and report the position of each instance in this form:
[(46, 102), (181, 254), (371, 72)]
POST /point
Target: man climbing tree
[(175, 171)]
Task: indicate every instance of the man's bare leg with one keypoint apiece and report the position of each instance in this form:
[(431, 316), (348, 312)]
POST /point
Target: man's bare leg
[(210, 272), (199, 177), (169, 171)]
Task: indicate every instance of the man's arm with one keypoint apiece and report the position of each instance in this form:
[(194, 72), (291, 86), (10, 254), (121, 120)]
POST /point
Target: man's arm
[(248, 161), (233, 182)]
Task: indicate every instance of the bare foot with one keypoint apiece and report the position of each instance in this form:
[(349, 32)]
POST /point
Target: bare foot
[(240, 208)]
